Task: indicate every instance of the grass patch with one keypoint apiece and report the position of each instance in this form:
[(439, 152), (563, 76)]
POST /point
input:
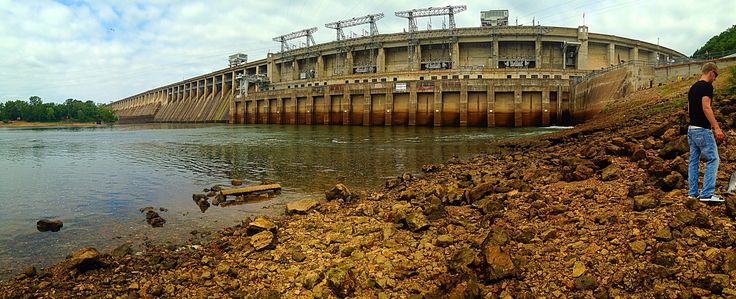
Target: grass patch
[(676, 103)]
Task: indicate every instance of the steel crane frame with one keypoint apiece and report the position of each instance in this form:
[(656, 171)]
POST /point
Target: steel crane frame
[(367, 19), (296, 34)]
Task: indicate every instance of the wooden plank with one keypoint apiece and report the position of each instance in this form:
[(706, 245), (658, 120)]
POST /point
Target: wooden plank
[(250, 189)]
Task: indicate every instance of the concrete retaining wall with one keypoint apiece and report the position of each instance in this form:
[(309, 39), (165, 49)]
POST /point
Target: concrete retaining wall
[(675, 72)]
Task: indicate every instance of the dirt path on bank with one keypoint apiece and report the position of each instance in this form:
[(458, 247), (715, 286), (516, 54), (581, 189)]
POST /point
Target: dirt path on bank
[(595, 211)]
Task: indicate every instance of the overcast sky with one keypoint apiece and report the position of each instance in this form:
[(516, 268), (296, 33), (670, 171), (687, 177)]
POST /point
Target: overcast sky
[(105, 50)]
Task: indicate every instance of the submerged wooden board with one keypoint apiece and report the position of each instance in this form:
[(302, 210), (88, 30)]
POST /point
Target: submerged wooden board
[(250, 189)]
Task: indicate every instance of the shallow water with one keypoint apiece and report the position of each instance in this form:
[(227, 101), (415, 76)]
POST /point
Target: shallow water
[(96, 179)]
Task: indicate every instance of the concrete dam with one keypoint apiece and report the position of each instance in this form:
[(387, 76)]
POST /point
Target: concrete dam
[(492, 75)]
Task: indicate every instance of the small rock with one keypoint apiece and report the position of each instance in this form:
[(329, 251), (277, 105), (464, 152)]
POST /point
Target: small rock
[(261, 223), (29, 271), (430, 168), (341, 281), (122, 250), (417, 221), (586, 282), (312, 279), (297, 255), (146, 209), (236, 182), (45, 225), (83, 259), (301, 206), (663, 235), (263, 240), (578, 269), (498, 263), (340, 191), (611, 173), (643, 202), (154, 219), (638, 247), (444, 240), (461, 258)]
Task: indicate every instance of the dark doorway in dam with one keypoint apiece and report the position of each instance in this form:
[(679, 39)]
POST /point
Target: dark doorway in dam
[(320, 110), (566, 116), (450, 109), (262, 111), (504, 112), (357, 102), (288, 116), (336, 111), (531, 108), (273, 116), (249, 113), (400, 112), (237, 116), (377, 114), (477, 109), (301, 111), (425, 109)]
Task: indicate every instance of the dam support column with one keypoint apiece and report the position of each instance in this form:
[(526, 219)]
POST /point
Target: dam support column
[(349, 63), (455, 57), (327, 108), (381, 60), (612, 60), (538, 53), (412, 103), (494, 53), (346, 106), (545, 106), (635, 53), (517, 106), (464, 104), (310, 108), (583, 51), (491, 98), (320, 67), (367, 107), (389, 105), (292, 115), (437, 106)]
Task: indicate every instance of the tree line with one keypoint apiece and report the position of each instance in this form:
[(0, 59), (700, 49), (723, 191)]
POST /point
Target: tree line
[(719, 45), (71, 110)]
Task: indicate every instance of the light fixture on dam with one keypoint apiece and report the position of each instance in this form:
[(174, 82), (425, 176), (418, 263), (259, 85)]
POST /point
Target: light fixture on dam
[(388, 110), (491, 111)]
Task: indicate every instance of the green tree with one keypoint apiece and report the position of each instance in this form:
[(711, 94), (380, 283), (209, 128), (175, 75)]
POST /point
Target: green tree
[(3, 113), (719, 45), (50, 115)]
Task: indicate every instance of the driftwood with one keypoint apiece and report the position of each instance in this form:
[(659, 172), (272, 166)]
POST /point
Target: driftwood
[(250, 189)]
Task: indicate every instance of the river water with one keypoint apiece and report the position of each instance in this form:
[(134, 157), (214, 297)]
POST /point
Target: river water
[(95, 179)]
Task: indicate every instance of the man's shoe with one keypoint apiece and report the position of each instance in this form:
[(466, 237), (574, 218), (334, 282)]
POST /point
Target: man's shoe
[(691, 197), (712, 198)]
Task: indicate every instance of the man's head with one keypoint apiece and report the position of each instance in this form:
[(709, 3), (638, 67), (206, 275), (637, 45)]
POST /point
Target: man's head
[(710, 72)]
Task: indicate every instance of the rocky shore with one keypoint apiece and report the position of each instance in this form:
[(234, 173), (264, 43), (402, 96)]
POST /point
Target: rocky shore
[(597, 211)]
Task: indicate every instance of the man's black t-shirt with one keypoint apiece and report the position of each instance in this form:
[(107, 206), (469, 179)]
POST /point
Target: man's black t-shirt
[(695, 101)]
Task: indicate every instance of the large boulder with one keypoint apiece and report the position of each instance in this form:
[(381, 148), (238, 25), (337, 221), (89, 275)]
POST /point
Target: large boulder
[(45, 225), (301, 206), (340, 191)]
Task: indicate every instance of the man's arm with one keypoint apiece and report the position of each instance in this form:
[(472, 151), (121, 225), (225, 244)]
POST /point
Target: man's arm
[(712, 118)]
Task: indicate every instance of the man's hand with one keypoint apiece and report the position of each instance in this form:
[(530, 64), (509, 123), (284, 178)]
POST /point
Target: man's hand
[(719, 134)]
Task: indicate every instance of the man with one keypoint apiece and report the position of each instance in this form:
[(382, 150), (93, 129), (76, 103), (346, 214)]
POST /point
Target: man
[(700, 136)]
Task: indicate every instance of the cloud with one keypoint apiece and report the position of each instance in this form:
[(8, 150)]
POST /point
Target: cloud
[(109, 49)]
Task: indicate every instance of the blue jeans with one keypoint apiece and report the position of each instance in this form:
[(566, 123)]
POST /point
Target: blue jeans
[(703, 143)]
